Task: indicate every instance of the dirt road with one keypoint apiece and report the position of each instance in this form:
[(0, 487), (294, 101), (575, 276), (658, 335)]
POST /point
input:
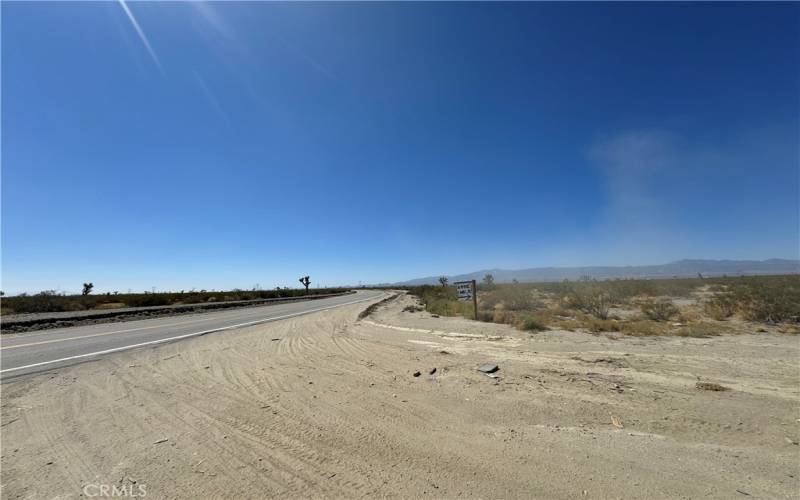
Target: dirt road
[(328, 406)]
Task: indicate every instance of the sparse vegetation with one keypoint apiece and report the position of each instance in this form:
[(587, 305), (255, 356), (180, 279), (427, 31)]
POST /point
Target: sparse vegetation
[(773, 299), (441, 300), (50, 301), (630, 307)]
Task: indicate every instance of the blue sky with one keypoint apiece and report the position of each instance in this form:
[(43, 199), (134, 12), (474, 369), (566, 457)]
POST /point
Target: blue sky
[(228, 145)]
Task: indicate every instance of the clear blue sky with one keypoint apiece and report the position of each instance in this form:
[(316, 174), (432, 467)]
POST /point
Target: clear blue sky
[(224, 145)]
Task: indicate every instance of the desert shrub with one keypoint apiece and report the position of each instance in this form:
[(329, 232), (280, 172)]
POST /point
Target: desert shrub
[(146, 300), (720, 307), (530, 324), (47, 303), (770, 301), (591, 300), (485, 316), (659, 310), (412, 308)]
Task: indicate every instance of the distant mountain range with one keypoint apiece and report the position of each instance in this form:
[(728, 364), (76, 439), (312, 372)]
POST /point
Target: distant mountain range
[(680, 269)]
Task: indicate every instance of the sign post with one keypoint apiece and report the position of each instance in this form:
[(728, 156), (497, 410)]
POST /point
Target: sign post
[(468, 290)]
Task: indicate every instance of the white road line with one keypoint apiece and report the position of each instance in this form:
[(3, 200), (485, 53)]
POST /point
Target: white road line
[(26, 336), (57, 331), (14, 346), (194, 334)]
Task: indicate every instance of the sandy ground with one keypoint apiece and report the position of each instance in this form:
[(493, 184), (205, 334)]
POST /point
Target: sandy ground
[(327, 406)]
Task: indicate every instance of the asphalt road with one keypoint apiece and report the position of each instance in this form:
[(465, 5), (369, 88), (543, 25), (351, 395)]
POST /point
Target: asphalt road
[(26, 353)]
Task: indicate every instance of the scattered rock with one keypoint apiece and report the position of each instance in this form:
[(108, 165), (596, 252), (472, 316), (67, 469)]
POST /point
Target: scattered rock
[(488, 368), (709, 386), (417, 374), (163, 440), (616, 422), (444, 352), (434, 315), (275, 339), (432, 371), (792, 441)]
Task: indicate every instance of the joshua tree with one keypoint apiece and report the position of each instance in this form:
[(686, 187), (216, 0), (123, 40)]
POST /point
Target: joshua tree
[(87, 288), (489, 280), (305, 280), (443, 280)]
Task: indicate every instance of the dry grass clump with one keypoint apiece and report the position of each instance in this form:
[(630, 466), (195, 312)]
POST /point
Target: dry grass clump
[(645, 328), (702, 330)]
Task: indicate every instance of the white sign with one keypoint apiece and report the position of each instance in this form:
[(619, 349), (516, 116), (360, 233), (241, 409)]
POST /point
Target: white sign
[(464, 290)]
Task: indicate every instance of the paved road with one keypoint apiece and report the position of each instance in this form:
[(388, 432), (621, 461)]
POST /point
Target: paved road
[(26, 353)]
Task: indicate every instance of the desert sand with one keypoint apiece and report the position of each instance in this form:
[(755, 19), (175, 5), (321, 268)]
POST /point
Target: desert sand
[(327, 405)]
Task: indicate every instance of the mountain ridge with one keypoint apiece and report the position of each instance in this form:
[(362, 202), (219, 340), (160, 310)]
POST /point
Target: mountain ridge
[(679, 268)]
